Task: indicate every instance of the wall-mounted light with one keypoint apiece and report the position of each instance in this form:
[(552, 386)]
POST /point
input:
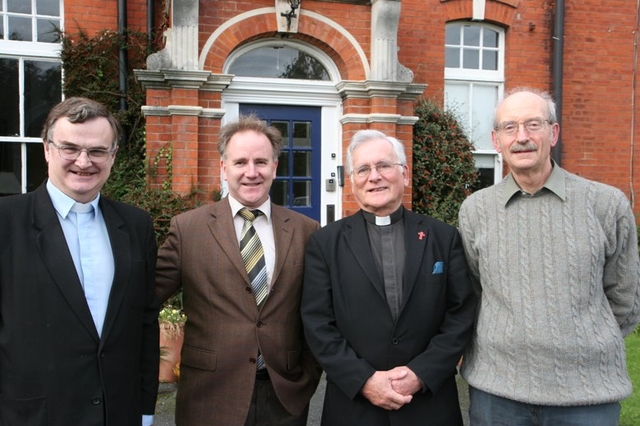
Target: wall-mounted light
[(291, 14)]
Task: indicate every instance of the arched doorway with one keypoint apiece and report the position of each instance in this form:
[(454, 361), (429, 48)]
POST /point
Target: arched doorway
[(293, 85)]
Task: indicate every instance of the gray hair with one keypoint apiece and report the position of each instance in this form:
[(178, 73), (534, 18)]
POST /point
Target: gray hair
[(363, 136)]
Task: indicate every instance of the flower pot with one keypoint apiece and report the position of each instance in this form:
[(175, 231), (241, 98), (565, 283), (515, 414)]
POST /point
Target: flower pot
[(171, 339)]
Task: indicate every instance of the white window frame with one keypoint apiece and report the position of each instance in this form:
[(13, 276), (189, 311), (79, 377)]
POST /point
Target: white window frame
[(21, 51), (473, 77)]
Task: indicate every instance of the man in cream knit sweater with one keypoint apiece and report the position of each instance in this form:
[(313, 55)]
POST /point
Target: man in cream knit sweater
[(555, 259)]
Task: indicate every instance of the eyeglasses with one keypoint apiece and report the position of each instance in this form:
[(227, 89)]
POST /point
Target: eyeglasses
[(71, 153), (532, 125), (382, 167)]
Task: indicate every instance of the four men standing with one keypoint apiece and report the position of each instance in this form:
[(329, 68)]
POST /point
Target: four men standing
[(384, 295)]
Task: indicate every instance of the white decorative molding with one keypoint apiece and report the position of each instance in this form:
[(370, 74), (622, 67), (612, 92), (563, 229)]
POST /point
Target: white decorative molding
[(290, 24), (478, 10), (183, 79), (271, 10), (182, 110), (181, 40), (370, 88), (377, 118), (385, 18)]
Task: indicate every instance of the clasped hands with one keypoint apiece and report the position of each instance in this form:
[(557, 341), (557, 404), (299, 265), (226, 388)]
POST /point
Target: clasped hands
[(391, 389)]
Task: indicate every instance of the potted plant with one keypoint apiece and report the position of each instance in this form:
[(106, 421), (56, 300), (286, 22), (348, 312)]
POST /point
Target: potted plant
[(171, 319)]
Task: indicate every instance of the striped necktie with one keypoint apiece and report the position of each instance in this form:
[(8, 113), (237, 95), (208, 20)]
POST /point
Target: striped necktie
[(253, 255), (253, 258)]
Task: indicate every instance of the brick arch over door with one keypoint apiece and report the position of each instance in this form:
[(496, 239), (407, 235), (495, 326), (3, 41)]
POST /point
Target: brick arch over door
[(318, 31)]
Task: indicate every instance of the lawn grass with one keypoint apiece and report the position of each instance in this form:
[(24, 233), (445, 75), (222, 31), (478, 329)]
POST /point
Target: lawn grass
[(630, 415)]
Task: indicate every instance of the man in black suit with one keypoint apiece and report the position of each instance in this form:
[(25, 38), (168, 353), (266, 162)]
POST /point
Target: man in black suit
[(78, 314), (387, 304)]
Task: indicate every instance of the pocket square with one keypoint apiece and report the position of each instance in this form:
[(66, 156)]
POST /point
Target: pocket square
[(438, 268)]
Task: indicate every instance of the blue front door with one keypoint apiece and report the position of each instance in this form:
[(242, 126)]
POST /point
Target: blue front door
[(297, 185)]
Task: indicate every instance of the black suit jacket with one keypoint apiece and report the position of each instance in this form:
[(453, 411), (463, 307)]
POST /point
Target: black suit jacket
[(54, 369), (349, 327)]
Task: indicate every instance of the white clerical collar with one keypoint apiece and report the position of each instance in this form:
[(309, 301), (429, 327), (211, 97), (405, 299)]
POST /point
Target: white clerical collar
[(383, 220)]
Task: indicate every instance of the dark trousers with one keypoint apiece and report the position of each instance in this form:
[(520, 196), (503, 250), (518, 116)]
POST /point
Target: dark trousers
[(266, 409)]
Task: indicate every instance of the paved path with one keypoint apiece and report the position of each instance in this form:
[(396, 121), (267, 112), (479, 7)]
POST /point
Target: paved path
[(166, 404)]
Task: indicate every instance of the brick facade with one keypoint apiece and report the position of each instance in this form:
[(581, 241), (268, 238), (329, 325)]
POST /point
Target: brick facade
[(598, 100)]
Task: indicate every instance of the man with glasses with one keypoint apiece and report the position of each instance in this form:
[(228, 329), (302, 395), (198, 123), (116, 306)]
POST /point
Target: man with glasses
[(555, 258), (78, 313), (387, 304)]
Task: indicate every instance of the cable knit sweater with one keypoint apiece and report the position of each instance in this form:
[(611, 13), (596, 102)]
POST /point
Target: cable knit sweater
[(559, 277)]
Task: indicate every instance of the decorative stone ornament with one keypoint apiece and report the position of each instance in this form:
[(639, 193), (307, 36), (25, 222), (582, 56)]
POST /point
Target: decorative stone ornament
[(287, 15)]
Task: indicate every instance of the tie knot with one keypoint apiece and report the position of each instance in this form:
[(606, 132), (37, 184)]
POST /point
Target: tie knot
[(249, 215)]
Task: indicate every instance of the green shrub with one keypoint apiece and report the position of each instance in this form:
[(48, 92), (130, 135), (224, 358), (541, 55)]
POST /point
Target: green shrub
[(443, 166)]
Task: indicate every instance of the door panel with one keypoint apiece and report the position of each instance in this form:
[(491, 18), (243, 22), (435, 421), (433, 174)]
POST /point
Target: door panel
[(297, 184)]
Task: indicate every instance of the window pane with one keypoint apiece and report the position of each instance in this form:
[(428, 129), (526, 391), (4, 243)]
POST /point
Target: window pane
[(485, 98), (302, 134), (489, 38), (283, 127), (1, 29), (452, 57), (301, 163), (42, 90), (279, 191), (48, 30), (19, 28), (485, 179), (36, 166), (471, 36), (302, 193), (279, 62), (471, 59), (490, 60), (9, 98), (10, 168), (305, 67), (457, 102), (283, 164), (48, 7), (452, 35), (19, 6)]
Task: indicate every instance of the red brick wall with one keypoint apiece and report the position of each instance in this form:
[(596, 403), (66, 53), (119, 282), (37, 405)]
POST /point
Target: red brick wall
[(92, 16), (599, 128), (598, 121)]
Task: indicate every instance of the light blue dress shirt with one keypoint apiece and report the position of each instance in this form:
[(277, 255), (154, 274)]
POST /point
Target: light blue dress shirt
[(88, 242)]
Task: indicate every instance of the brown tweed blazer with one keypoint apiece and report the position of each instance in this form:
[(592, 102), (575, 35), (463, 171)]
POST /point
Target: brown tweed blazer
[(224, 329)]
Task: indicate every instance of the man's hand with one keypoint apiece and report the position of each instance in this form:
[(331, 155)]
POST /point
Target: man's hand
[(407, 385), (379, 392)]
